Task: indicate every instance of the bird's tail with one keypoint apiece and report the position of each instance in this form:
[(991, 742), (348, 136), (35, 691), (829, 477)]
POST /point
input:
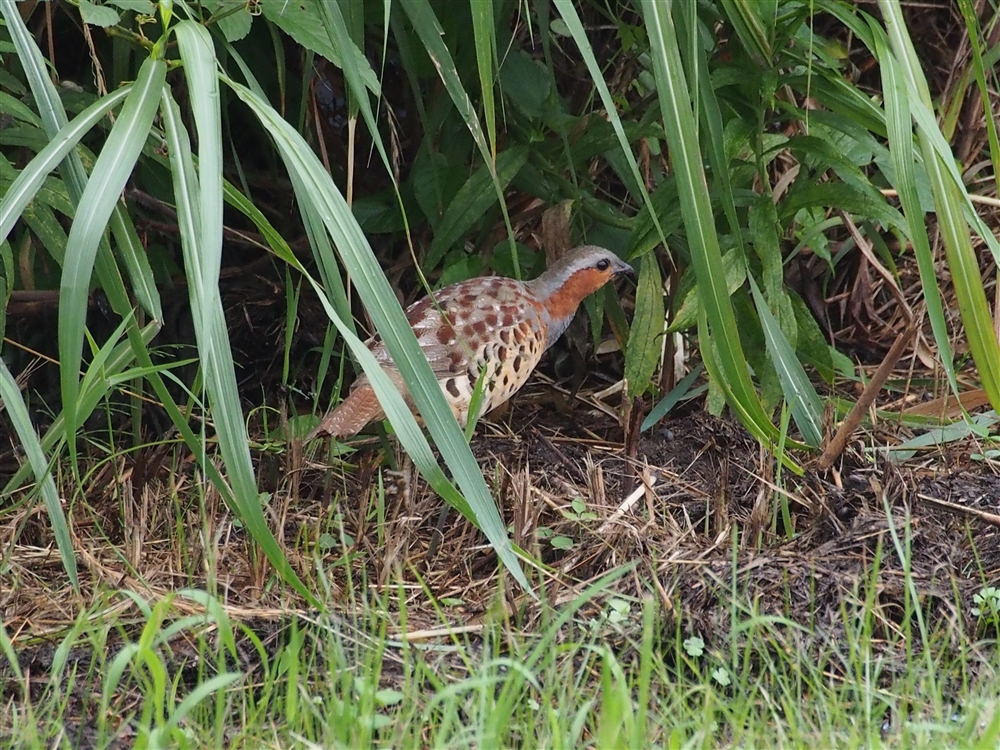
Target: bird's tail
[(352, 414)]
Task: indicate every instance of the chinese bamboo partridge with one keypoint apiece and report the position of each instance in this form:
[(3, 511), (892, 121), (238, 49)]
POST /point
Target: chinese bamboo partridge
[(492, 324)]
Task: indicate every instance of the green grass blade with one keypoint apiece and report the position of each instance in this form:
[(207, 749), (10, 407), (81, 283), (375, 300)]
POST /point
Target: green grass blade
[(111, 172), (746, 18), (10, 395), (807, 409), (91, 394), (951, 203), (313, 185), (572, 19), (53, 116), (979, 66), (136, 259), (428, 28), (671, 400), (27, 183), (215, 354), (900, 129), (646, 307), (699, 221), (7, 649), (196, 50), (484, 33)]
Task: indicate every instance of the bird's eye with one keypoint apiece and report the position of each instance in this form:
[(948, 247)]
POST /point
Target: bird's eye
[(603, 265)]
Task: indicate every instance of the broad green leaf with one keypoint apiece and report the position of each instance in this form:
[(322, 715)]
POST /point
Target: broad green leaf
[(805, 404), (472, 201), (15, 108), (303, 22), (645, 340), (527, 83), (97, 15), (763, 224), (236, 25)]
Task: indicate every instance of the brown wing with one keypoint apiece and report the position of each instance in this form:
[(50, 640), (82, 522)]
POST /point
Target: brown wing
[(490, 323)]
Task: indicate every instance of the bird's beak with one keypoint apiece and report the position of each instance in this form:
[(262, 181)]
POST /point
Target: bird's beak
[(622, 267)]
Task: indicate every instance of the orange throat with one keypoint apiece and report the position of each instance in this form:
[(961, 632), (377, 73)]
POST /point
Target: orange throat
[(563, 302)]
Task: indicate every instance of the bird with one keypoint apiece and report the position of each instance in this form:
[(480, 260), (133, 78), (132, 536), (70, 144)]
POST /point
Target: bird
[(490, 324)]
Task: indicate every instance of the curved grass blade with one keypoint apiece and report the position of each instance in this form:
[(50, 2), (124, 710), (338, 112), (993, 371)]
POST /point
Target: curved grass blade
[(696, 208), (806, 407), (634, 357), (428, 28), (54, 119), (900, 129), (24, 187), (92, 391), (668, 402), (111, 172), (314, 185), (10, 395), (951, 203), (568, 12), (214, 351)]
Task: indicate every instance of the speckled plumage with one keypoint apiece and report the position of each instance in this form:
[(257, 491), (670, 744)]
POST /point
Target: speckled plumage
[(490, 324)]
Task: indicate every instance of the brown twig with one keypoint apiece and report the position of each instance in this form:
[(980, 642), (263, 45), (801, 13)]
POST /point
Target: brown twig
[(991, 518), (850, 424)]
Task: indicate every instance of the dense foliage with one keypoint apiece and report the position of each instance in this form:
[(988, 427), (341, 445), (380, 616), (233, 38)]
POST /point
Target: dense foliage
[(720, 147)]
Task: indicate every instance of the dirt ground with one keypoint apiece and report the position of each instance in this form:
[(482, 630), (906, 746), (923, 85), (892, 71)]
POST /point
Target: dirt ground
[(572, 499)]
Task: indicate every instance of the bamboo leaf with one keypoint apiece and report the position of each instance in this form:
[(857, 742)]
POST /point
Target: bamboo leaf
[(473, 199), (111, 172), (807, 409)]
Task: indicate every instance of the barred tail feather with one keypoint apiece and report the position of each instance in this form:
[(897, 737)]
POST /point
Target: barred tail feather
[(351, 415)]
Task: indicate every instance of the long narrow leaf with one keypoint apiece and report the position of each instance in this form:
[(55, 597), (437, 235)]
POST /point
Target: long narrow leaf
[(23, 189), (951, 205), (215, 354), (699, 221), (807, 409), (900, 128), (111, 172), (426, 24), (315, 186), (10, 395)]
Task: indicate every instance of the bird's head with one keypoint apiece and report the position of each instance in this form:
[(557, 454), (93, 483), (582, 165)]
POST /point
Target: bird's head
[(576, 275)]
